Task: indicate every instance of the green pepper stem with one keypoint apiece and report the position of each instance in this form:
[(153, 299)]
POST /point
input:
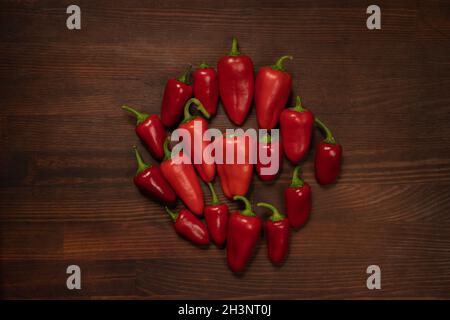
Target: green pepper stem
[(276, 215), (214, 200), (203, 65), (297, 182), (173, 215), (140, 116), (234, 48), (329, 138), (198, 105), (141, 165), (248, 207), (185, 76), (167, 152), (279, 63), (298, 105), (267, 139)]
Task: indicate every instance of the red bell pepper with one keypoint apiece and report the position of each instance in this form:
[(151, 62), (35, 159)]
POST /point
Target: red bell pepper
[(180, 174), (150, 130), (151, 182), (189, 226), (297, 200), (196, 126), (277, 231), (272, 89), (328, 157), (236, 84), (269, 147), (296, 126), (206, 87), (216, 217), (244, 231), (176, 93)]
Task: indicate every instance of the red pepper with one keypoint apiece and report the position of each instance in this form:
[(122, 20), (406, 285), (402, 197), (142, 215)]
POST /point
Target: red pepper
[(151, 182), (216, 217), (268, 147), (206, 87), (196, 126), (297, 200), (150, 130), (277, 231), (189, 226), (235, 178), (296, 126), (180, 174), (244, 230), (272, 89), (176, 93), (236, 84), (328, 157)]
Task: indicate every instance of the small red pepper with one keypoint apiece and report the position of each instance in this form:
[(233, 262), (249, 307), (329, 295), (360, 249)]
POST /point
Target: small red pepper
[(206, 87), (272, 88), (196, 126), (328, 157), (151, 182), (236, 84), (244, 231), (189, 226), (180, 174), (150, 130), (176, 93), (216, 217), (268, 147), (296, 126), (297, 200), (277, 231)]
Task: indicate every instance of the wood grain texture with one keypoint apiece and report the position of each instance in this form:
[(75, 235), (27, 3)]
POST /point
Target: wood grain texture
[(66, 195)]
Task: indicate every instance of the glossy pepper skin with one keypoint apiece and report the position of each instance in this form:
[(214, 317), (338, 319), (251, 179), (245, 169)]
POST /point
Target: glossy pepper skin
[(236, 84), (297, 200), (277, 232), (206, 87), (268, 147), (150, 130), (216, 217), (196, 126), (181, 176), (296, 125), (328, 157), (244, 231), (272, 89), (176, 93), (151, 182), (189, 226)]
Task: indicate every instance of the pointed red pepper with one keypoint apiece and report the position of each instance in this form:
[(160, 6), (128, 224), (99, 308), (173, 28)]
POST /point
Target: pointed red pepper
[(189, 226), (180, 174), (236, 84), (206, 87), (297, 200), (268, 147), (197, 126), (277, 231), (328, 157), (272, 89), (244, 231), (151, 182), (150, 130), (296, 126), (216, 217), (176, 93)]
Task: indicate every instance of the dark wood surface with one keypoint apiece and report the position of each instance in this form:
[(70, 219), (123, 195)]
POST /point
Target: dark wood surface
[(66, 163)]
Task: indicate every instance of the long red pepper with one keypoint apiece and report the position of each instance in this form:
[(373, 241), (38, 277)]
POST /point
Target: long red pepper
[(196, 126), (206, 87), (328, 157), (236, 84), (180, 174), (189, 226), (277, 231), (297, 200), (269, 147), (151, 182), (296, 126), (216, 217), (244, 231), (176, 93), (150, 130), (272, 88)]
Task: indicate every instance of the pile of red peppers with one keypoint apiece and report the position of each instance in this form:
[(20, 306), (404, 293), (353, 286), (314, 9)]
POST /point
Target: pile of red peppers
[(235, 84)]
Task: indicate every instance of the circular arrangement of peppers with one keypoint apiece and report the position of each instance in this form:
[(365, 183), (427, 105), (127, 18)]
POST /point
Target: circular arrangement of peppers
[(236, 85)]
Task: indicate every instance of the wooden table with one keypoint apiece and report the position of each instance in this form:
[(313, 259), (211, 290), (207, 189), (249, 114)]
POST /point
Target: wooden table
[(66, 163)]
